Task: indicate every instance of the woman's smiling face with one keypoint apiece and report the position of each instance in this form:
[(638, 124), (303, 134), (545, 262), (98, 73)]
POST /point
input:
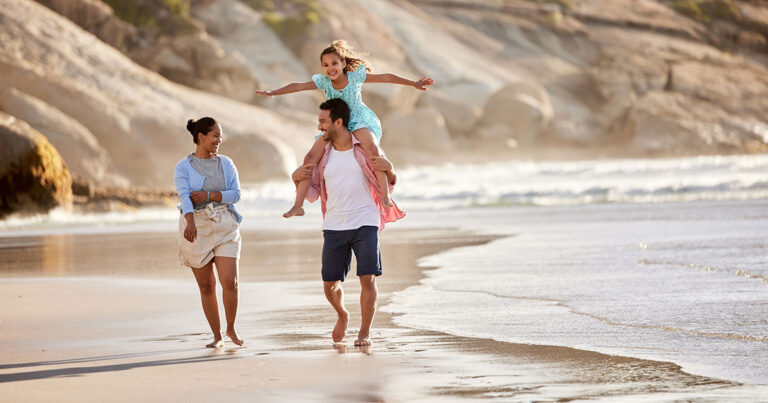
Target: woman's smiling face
[(211, 140), (333, 66)]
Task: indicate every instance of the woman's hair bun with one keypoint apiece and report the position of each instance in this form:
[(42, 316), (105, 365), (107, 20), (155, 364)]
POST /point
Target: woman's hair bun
[(191, 126)]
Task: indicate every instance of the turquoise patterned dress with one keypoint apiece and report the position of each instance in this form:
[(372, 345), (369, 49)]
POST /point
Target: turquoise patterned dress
[(361, 115)]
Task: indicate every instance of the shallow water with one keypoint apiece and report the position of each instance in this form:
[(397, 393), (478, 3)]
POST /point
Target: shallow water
[(683, 282)]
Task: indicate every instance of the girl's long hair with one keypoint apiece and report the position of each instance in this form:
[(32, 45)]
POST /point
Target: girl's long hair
[(342, 49)]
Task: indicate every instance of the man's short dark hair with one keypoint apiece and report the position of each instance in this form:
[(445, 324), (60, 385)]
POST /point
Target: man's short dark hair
[(339, 110)]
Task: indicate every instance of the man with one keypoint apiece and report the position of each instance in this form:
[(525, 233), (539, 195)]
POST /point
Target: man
[(352, 215)]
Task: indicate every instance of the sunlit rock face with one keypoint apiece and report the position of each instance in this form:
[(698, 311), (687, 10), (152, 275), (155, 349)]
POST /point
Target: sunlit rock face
[(624, 78), (107, 102), (33, 176)]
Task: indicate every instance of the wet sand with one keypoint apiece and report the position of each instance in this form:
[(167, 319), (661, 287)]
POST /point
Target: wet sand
[(113, 316)]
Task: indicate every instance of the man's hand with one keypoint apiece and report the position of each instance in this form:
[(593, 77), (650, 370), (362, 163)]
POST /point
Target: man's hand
[(381, 163), (303, 172), (198, 196), (190, 232)]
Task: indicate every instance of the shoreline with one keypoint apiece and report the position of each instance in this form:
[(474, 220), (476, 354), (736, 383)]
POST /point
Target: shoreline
[(431, 365)]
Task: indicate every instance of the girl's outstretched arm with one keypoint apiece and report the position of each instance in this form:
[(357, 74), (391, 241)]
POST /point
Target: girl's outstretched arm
[(421, 84), (288, 89)]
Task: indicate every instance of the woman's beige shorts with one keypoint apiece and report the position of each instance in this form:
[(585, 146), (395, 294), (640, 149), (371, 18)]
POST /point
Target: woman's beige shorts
[(218, 234)]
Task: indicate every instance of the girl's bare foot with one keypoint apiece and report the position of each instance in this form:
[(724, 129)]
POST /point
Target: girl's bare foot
[(294, 211), (340, 330), (216, 343), (232, 334)]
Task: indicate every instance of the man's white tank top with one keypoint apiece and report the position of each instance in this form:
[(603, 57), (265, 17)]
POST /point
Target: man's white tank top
[(350, 204)]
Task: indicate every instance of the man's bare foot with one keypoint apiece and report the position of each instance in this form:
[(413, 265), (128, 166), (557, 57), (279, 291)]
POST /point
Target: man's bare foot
[(232, 334), (294, 211), (363, 340), (340, 330), (216, 343)]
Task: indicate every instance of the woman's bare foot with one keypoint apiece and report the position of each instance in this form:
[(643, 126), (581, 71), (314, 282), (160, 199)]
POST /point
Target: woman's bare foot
[(363, 340), (294, 211), (216, 343), (340, 330), (232, 334)]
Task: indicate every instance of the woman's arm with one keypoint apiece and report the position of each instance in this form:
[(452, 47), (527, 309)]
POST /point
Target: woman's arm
[(181, 182), (389, 78), (289, 89), (232, 194)]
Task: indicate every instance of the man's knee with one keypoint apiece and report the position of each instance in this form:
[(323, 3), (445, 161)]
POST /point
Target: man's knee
[(368, 282), (331, 286)]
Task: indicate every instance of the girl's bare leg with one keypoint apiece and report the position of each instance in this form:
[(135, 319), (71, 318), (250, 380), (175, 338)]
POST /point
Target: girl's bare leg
[(314, 155), (369, 145), (229, 276), (206, 281)]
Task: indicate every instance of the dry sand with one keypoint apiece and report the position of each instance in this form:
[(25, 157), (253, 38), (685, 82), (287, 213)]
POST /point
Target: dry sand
[(113, 317)]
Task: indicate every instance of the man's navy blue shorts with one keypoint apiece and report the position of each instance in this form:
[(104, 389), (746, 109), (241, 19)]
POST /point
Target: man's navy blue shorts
[(337, 252)]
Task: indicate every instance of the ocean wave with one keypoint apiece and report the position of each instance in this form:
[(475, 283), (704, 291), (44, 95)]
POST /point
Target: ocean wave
[(512, 183)]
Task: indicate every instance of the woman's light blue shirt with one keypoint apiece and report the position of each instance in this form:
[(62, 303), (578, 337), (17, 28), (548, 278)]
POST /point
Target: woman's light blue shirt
[(186, 179)]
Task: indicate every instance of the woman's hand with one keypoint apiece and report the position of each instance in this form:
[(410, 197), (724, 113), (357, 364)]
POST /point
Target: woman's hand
[(198, 196), (267, 94), (423, 83), (190, 232)]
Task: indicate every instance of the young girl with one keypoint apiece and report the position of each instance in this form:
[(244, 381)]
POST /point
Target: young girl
[(343, 76)]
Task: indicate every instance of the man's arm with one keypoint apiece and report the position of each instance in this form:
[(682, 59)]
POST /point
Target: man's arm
[(381, 163), (308, 171)]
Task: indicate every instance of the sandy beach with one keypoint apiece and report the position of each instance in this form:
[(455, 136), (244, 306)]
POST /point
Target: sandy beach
[(112, 316), (91, 317)]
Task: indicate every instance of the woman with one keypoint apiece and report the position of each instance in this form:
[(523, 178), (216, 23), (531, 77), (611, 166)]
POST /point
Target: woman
[(209, 226)]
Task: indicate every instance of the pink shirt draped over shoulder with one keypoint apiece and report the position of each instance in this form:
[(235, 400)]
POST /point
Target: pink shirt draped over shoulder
[(317, 187)]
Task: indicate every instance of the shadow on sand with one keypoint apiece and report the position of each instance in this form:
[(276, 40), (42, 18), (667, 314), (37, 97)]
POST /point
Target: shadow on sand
[(84, 370)]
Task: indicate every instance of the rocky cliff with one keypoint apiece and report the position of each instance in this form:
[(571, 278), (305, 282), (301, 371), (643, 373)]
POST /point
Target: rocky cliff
[(110, 83)]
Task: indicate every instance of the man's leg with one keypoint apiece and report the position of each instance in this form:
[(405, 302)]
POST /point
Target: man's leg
[(366, 247), (336, 259), (335, 295), (368, 295)]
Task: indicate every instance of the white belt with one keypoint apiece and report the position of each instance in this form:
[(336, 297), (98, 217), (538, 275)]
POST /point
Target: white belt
[(214, 213)]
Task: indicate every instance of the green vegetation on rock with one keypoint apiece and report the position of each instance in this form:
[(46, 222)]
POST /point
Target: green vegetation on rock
[(707, 10), (290, 19), (564, 4), (165, 17)]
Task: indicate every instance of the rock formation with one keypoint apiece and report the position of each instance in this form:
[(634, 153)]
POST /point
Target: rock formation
[(136, 116), (625, 78), (33, 177)]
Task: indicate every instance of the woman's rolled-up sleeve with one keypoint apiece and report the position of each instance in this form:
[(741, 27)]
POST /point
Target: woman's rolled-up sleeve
[(232, 194), (181, 182)]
